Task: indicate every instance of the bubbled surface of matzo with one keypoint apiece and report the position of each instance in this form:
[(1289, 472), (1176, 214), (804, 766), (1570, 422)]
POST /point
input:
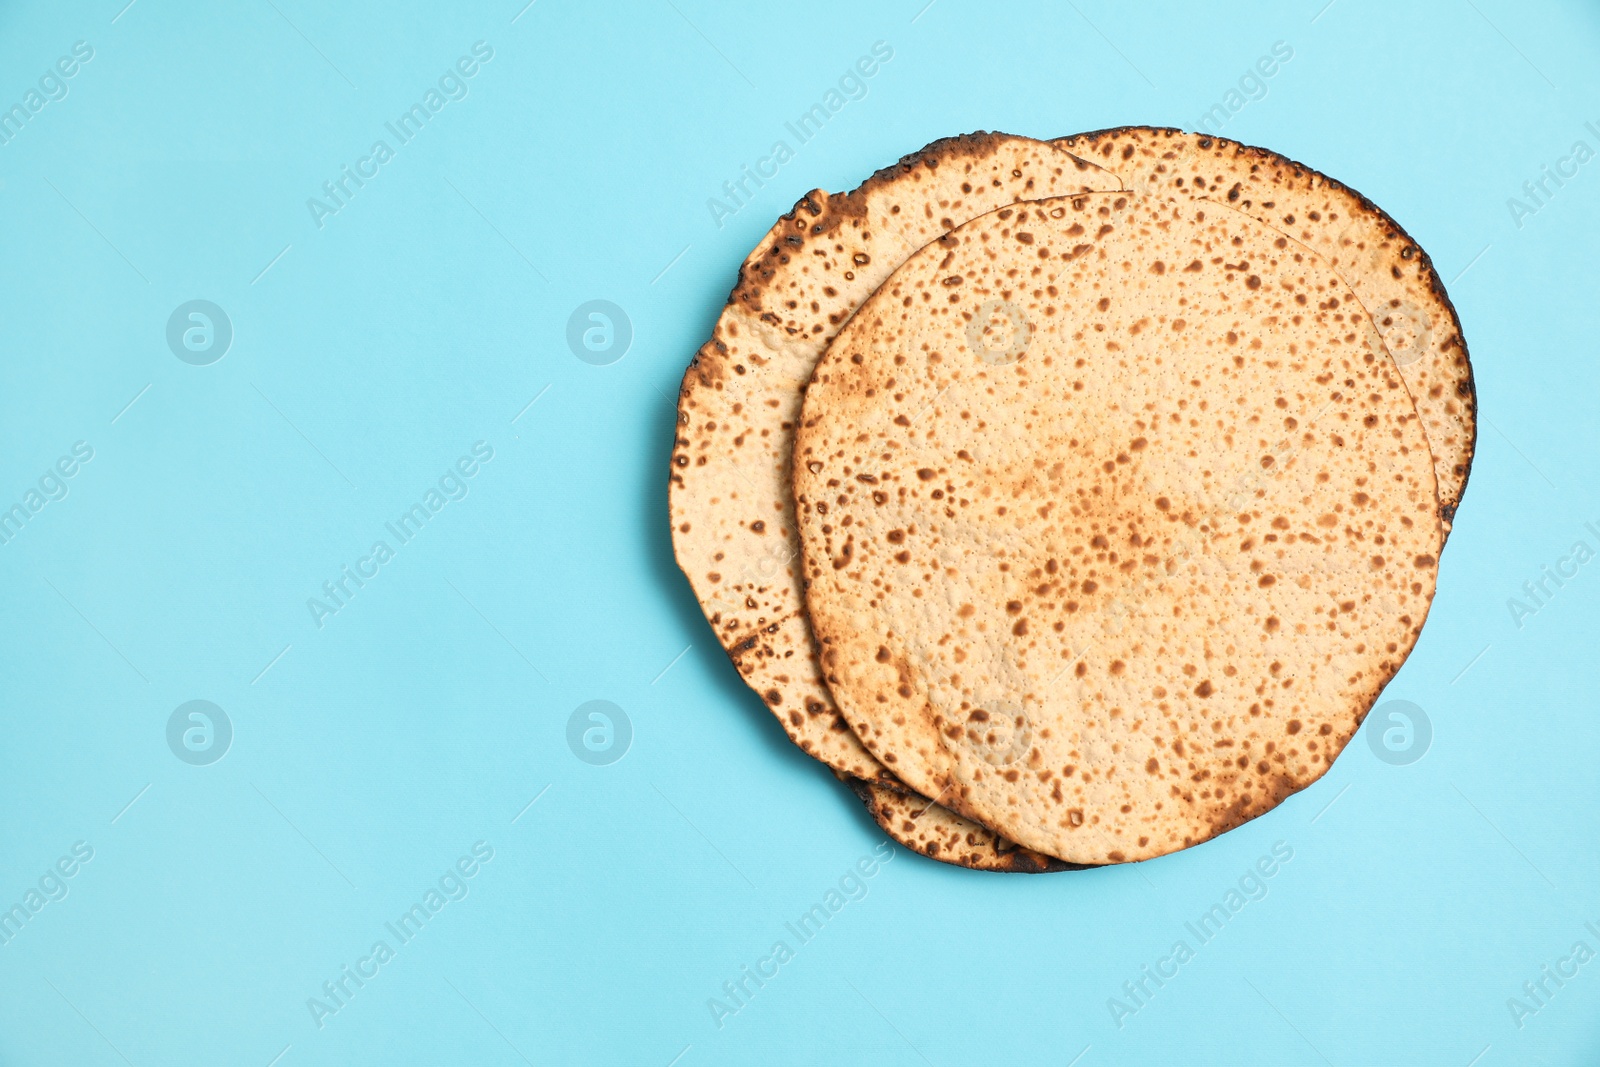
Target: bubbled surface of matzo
[(1116, 518), (1391, 274)]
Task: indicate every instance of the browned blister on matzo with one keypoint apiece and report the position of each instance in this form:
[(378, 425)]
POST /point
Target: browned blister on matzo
[(1116, 517), (1390, 273)]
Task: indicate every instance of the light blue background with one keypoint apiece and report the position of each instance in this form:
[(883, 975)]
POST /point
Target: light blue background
[(371, 753)]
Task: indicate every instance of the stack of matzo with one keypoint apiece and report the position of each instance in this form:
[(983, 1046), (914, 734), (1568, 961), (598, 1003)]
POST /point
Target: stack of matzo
[(1074, 501)]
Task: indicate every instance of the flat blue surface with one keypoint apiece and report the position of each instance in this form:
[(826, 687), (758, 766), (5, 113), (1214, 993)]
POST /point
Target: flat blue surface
[(374, 748)]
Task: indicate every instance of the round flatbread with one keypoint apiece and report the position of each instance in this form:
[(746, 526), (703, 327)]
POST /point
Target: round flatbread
[(1390, 273), (731, 507), (1116, 518)]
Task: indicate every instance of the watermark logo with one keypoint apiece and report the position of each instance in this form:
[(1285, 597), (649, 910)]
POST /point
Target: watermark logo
[(1551, 979), (599, 733), (999, 732), (452, 885), (738, 991), (52, 87), (451, 86), (199, 332), (999, 333), (1251, 886), (739, 192), (1552, 578), (51, 486), (199, 733), (1539, 192), (453, 485), (599, 332), (51, 887), (1252, 87), (1399, 732), (1407, 332)]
